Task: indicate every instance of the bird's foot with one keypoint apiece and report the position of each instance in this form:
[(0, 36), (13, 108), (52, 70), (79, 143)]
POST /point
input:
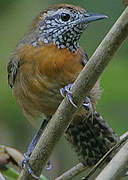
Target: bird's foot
[(87, 103), (66, 91), (25, 163)]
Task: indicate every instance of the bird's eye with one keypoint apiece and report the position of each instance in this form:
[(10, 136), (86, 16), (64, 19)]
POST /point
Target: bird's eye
[(65, 17)]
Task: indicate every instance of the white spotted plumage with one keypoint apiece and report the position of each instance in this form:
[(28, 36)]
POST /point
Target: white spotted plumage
[(63, 34)]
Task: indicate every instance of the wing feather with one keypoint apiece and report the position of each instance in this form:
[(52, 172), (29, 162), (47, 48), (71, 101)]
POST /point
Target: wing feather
[(12, 70)]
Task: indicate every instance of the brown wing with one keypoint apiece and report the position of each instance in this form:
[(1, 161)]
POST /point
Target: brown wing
[(12, 69), (84, 58)]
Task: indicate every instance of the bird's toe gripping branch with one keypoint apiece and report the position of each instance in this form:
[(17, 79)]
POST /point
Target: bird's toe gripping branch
[(66, 91), (25, 164)]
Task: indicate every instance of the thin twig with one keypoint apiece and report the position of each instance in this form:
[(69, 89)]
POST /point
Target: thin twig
[(120, 164), (124, 135), (72, 172), (81, 87)]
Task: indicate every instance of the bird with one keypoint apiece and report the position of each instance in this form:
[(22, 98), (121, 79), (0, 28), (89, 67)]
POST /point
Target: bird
[(42, 69)]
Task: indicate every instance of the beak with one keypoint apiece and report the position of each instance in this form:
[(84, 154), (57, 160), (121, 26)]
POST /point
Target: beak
[(88, 17)]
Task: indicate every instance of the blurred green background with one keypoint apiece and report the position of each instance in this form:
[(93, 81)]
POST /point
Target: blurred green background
[(15, 131)]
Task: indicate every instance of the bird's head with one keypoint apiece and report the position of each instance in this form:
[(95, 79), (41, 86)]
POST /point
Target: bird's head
[(63, 25)]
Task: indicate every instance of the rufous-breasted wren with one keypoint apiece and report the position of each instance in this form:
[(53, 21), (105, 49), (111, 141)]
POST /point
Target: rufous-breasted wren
[(42, 68)]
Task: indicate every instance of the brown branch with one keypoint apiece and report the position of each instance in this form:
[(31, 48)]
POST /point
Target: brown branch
[(74, 171), (80, 89), (117, 167)]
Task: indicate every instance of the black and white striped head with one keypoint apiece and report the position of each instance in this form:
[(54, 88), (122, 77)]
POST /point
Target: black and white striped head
[(64, 24)]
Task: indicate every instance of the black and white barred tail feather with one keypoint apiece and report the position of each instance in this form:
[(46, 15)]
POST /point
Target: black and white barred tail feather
[(91, 139)]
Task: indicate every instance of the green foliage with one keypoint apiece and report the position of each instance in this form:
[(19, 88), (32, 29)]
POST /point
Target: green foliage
[(11, 174)]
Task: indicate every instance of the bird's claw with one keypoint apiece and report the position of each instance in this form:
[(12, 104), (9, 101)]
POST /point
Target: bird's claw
[(66, 91), (71, 101), (87, 103), (49, 165), (25, 163), (26, 158)]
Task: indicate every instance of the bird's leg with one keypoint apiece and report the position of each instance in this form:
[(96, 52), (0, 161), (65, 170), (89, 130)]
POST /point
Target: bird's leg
[(66, 91), (32, 146), (36, 138)]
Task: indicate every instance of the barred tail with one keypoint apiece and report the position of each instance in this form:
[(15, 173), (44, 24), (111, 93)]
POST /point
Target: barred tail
[(90, 138)]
